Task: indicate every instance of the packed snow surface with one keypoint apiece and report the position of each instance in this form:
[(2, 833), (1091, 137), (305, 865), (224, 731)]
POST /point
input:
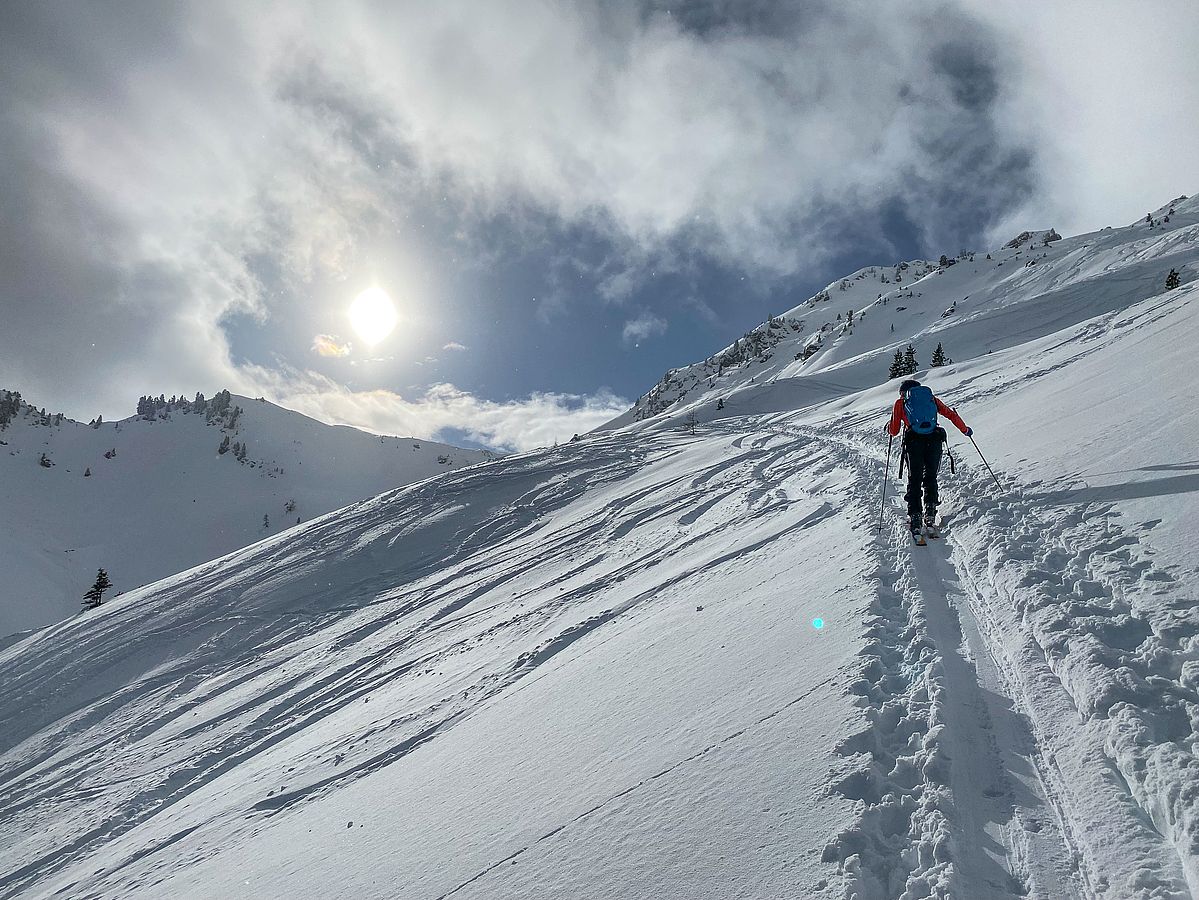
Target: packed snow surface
[(686, 662)]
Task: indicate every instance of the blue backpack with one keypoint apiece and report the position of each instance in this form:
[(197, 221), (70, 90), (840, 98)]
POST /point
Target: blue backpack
[(921, 409)]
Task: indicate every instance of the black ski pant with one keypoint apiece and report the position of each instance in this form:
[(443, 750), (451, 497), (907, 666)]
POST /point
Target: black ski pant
[(923, 454)]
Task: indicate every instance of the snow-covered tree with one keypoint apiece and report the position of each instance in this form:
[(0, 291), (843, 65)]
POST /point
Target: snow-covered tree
[(87, 473), (910, 365), (1173, 280), (95, 594), (896, 364), (938, 356)]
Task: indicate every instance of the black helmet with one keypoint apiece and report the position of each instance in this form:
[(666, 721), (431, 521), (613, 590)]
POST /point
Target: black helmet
[(908, 385)]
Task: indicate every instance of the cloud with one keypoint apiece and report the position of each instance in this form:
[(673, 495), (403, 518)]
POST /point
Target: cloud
[(172, 168), (644, 325), (743, 137), (329, 345), (454, 345), (521, 424), (1106, 94)]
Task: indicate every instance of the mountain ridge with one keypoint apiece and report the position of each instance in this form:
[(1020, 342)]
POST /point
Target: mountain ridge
[(813, 339), (183, 483)]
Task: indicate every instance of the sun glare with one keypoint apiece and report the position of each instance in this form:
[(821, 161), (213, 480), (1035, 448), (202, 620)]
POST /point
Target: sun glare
[(373, 315)]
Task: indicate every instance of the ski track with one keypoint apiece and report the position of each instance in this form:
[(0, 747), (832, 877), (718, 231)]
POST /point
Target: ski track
[(1073, 580), (1026, 719), (171, 732)]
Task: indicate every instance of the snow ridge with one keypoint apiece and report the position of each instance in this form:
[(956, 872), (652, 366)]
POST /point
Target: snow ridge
[(1073, 583)]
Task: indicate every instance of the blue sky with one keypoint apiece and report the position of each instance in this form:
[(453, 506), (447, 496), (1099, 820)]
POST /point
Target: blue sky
[(563, 200)]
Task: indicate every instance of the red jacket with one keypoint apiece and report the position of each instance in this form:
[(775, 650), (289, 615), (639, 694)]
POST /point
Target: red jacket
[(899, 417)]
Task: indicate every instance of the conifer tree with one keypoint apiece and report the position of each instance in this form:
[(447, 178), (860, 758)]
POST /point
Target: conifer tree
[(909, 361), (938, 356), (1172, 280), (95, 594), (896, 366)]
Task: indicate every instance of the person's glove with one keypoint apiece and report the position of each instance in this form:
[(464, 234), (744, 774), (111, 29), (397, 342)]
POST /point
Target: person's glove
[(969, 431)]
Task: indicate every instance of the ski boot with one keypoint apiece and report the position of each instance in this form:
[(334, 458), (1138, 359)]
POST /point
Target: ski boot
[(917, 532)]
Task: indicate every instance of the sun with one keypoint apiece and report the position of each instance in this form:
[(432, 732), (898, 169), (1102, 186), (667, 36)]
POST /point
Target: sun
[(373, 315)]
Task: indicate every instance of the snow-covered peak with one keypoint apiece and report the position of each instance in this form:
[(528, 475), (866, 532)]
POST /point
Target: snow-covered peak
[(171, 487)]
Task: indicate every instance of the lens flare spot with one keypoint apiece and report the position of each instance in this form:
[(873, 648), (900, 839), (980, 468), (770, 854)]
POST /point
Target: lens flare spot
[(373, 315), (818, 623)]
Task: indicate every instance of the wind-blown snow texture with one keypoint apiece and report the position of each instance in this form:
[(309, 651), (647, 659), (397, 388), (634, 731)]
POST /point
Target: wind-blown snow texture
[(160, 498), (593, 671)]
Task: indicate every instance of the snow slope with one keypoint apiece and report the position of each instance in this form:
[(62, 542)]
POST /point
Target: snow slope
[(595, 671), (167, 500)]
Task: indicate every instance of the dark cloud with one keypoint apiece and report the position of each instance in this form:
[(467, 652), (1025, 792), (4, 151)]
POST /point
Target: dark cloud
[(350, 115), (973, 78), (750, 17)]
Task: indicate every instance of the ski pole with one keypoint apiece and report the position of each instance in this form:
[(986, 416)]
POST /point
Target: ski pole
[(985, 463), (882, 504)]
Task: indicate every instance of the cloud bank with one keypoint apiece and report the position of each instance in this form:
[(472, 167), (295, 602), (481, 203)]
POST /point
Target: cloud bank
[(539, 420)]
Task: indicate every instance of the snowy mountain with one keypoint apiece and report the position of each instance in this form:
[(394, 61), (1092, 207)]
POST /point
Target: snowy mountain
[(686, 662), (844, 338), (155, 494)]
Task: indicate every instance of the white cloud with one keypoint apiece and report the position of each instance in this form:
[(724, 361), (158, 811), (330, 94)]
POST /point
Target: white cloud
[(1108, 94), (454, 345), (644, 325), (523, 424), (329, 345)]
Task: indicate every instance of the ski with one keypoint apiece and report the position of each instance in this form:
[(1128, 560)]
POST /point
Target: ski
[(932, 528), (918, 537)]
